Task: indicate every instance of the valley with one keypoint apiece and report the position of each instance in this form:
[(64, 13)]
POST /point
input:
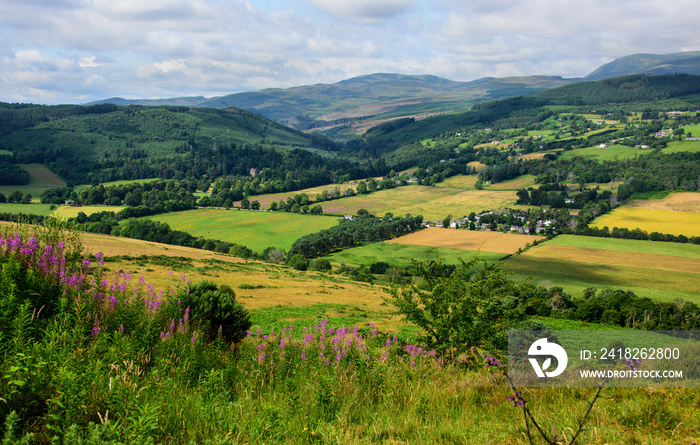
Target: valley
[(212, 274)]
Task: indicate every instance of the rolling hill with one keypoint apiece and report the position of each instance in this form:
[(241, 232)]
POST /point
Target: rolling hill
[(383, 95), (101, 143), (655, 64)]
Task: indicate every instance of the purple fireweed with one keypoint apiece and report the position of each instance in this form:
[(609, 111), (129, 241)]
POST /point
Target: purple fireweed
[(491, 361)]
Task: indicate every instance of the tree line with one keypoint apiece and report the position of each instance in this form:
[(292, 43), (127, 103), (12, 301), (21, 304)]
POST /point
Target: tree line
[(364, 228)]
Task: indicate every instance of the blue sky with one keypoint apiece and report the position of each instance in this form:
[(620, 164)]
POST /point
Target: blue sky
[(76, 51)]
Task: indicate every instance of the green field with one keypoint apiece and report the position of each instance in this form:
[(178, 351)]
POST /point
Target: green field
[(678, 146), (255, 230), (628, 245), (658, 270), (400, 255), (27, 209), (613, 152), (521, 182), (40, 179)]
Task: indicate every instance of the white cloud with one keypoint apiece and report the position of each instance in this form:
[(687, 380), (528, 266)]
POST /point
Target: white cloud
[(363, 11), (70, 50)]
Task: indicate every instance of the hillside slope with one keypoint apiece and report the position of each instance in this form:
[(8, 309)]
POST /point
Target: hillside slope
[(655, 64), (106, 143)]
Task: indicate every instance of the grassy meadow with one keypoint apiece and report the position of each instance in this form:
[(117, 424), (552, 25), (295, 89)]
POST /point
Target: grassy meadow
[(27, 209), (658, 270), (256, 230), (144, 372), (258, 285), (613, 152), (40, 179), (400, 255)]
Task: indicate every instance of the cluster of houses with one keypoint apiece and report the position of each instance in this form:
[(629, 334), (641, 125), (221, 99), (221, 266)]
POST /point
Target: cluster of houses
[(541, 226)]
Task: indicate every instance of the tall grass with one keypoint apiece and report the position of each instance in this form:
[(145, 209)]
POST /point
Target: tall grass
[(87, 357)]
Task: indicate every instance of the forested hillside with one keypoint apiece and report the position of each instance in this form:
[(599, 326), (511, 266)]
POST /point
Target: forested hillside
[(99, 143)]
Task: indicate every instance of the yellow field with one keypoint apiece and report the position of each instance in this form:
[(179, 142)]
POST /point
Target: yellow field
[(679, 202), (652, 220), (496, 242), (66, 212)]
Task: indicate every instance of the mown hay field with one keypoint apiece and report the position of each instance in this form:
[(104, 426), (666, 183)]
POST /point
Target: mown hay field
[(434, 203), (651, 220), (256, 230), (662, 271), (400, 255), (680, 202), (66, 212), (494, 242), (40, 179)]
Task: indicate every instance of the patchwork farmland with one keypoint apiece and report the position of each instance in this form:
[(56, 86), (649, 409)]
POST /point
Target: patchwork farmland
[(658, 270)]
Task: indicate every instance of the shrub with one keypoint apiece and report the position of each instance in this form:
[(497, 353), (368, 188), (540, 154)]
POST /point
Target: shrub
[(320, 264), (216, 308)]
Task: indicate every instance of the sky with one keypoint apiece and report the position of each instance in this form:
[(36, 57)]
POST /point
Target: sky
[(77, 51)]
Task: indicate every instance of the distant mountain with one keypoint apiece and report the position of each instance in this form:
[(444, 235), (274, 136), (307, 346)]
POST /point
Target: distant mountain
[(359, 97), (377, 95), (191, 101), (381, 95), (655, 64)]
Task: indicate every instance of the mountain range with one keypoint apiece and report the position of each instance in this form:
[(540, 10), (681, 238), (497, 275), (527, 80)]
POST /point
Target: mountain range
[(384, 95)]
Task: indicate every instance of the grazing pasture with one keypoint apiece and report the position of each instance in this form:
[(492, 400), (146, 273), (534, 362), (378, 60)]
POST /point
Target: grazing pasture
[(400, 255), (678, 146), (40, 179), (651, 220), (27, 209), (613, 152), (658, 270), (494, 242), (256, 230)]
